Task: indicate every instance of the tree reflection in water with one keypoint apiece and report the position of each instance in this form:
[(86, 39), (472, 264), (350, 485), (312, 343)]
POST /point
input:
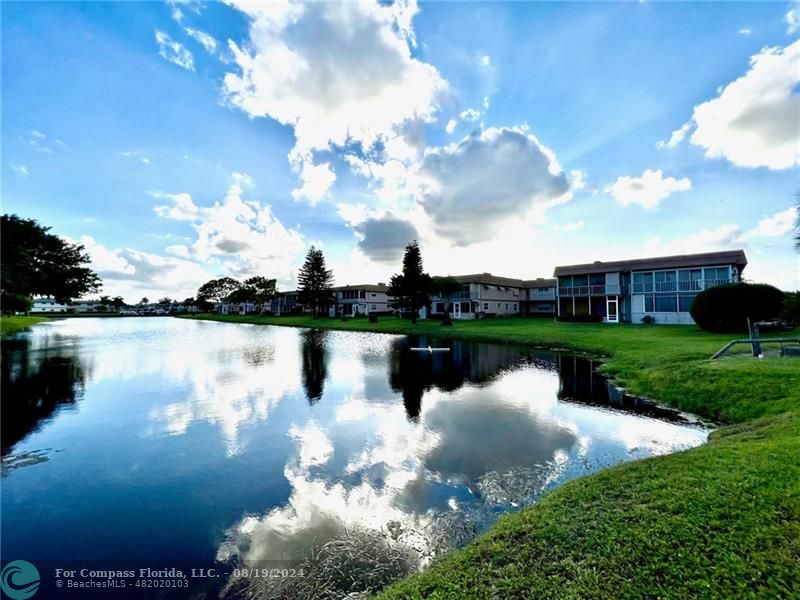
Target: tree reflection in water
[(413, 373), (314, 363), (35, 384)]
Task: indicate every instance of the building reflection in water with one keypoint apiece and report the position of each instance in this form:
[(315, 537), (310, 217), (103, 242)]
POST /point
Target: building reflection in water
[(489, 427), (580, 381), (413, 373), (301, 447)]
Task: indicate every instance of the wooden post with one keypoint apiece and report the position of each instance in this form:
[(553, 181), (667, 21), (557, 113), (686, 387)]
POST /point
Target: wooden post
[(755, 337)]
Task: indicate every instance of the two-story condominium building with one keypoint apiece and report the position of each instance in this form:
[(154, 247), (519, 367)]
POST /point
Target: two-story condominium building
[(48, 305), (483, 294), (540, 296), (661, 287), (284, 303), (361, 299)]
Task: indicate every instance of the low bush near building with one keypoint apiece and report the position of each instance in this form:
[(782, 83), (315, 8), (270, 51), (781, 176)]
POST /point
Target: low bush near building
[(648, 319), (726, 309)]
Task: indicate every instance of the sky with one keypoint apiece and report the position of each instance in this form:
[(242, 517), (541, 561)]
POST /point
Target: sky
[(183, 141)]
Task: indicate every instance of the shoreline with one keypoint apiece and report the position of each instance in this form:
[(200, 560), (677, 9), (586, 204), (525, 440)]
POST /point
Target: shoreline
[(719, 520)]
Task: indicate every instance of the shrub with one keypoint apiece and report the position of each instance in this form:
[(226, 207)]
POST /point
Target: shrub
[(725, 309), (373, 318), (648, 319), (14, 303)]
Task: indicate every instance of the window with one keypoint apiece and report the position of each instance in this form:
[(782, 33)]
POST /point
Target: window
[(664, 281), (466, 307), (666, 303), (373, 295), (580, 280), (649, 303), (362, 294), (685, 302), (515, 307), (506, 306), (373, 307), (498, 305), (485, 306), (717, 274), (642, 282), (440, 307), (598, 279), (689, 279)]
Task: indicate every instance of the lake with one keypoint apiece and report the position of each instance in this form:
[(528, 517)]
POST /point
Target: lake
[(174, 443)]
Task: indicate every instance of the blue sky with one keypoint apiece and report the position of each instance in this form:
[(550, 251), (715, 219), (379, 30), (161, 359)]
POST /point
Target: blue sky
[(180, 141)]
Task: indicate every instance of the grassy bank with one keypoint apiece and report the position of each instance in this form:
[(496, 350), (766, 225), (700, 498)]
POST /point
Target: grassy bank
[(11, 324), (722, 520)]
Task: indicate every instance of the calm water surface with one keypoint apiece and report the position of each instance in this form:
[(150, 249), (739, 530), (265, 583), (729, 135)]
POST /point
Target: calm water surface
[(161, 439)]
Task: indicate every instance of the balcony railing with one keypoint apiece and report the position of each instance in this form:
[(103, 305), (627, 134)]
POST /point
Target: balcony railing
[(643, 288), (612, 289), (697, 285)]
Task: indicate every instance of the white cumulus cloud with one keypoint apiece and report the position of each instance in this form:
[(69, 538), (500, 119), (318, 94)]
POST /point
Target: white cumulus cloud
[(648, 190), (173, 51), (470, 188), (243, 236), (776, 225), (207, 41), (339, 73), (755, 120), (316, 181), (792, 19), (470, 115)]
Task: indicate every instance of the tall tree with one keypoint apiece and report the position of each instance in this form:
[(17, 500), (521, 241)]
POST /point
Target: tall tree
[(410, 289), (445, 287), (259, 290), (314, 281), (797, 223), (218, 290), (263, 289), (36, 262)]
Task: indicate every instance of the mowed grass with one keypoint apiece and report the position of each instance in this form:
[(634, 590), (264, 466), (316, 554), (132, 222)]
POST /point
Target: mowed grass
[(718, 521), (12, 324)]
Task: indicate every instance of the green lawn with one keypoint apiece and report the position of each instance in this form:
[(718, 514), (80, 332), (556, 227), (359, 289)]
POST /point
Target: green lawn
[(722, 520), (11, 324)]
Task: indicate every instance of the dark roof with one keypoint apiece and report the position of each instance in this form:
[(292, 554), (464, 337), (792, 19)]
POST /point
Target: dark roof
[(489, 279), (728, 257), (539, 282), (370, 287)]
